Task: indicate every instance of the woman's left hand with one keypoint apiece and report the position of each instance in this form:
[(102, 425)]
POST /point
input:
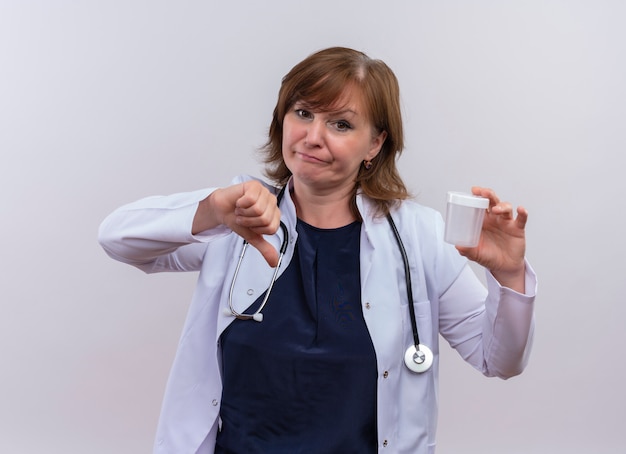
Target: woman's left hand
[(502, 244)]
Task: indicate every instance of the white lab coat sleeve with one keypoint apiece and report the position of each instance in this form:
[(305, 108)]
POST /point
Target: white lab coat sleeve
[(154, 233), (492, 329)]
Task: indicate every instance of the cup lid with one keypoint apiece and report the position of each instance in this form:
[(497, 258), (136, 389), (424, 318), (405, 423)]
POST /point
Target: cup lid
[(469, 200)]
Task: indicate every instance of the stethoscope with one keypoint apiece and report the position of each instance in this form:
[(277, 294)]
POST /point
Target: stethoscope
[(257, 316), (418, 357)]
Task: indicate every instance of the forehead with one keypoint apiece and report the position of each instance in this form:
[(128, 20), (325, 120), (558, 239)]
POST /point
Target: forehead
[(348, 99)]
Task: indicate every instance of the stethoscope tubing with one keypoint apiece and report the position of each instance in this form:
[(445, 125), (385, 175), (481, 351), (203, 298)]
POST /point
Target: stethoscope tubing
[(418, 358), (407, 274), (257, 315)]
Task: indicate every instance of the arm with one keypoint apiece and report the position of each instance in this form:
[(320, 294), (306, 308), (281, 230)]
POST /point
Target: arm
[(492, 329), (166, 233), (154, 233)]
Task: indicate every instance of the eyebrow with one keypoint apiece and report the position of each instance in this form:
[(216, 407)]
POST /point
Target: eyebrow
[(341, 112), (336, 113), (328, 111)]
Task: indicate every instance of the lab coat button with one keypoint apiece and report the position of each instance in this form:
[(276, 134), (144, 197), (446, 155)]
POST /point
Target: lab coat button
[(250, 292), (385, 443), (386, 374), (367, 305), (214, 402)]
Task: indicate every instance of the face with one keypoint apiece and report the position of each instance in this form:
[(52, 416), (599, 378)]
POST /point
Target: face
[(325, 149)]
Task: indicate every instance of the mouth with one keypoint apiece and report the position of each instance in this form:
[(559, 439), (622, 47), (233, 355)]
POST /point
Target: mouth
[(310, 158)]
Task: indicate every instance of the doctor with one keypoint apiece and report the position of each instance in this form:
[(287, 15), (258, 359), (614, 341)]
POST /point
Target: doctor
[(324, 371)]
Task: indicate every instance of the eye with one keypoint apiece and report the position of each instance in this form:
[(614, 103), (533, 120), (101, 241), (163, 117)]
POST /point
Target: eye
[(342, 125), (305, 114)]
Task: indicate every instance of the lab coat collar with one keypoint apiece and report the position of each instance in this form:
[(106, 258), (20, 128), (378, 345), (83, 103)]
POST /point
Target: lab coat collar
[(370, 223)]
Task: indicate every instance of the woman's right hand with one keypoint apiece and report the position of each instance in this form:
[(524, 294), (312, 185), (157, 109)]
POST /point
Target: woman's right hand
[(248, 209)]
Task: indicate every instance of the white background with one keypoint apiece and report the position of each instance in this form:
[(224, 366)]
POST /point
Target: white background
[(103, 102)]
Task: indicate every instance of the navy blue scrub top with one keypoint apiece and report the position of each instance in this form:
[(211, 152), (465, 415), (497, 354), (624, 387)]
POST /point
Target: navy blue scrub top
[(304, 379)]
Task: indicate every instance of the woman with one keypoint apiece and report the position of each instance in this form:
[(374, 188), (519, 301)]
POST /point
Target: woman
[(324, 372)]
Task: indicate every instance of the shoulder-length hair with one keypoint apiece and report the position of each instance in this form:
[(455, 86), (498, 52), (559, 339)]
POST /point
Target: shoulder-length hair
[(319, 81)]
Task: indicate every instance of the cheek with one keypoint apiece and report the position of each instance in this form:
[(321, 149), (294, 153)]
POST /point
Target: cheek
[(287, 148), (287, 145), (288, 136)]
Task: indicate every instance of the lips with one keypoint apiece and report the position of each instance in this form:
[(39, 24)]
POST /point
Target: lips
[(310, 158)]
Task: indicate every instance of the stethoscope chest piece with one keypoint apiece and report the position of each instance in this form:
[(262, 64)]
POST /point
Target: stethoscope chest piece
[(418, 359)]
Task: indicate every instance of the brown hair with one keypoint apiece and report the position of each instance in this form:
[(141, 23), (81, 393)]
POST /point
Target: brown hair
[(319, 81)]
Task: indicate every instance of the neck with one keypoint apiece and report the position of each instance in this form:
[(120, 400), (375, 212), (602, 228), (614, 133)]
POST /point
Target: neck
[(325, 211)]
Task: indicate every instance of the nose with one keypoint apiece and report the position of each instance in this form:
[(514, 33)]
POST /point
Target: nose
[(315, 134)]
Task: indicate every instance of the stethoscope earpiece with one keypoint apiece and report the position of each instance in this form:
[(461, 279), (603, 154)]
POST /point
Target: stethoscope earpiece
[(257, 317)]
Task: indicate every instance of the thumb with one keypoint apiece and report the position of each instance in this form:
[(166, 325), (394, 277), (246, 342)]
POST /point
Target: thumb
[(267, 250)]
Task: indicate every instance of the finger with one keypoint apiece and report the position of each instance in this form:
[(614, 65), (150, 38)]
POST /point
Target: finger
[(251, 193), (255, 201), (261, 209), (266, 223), (487, 193), (260, 225), (522, 217), (504, 210)]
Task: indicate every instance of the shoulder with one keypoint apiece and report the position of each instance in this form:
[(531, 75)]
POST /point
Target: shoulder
[(411, 213), (408, 215), (421, 229)]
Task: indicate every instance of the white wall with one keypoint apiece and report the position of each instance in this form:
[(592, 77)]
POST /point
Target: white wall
[(102, 102)]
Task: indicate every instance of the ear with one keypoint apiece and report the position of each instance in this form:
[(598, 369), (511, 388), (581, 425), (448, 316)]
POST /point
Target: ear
[(377, 145)]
